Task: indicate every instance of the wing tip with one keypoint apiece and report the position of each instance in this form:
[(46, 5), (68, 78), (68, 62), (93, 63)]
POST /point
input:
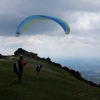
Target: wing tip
[(18, 33)]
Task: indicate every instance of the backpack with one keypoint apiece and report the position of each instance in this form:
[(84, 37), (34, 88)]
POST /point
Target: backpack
[(17, 68)]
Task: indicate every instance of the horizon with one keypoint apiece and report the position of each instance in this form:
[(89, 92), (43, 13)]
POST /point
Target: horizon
[(57, 57)]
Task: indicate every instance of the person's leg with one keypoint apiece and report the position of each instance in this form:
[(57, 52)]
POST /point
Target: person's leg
[(19, 77)]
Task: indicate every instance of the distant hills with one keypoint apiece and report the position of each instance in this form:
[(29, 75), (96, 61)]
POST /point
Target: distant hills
[(89, 67)]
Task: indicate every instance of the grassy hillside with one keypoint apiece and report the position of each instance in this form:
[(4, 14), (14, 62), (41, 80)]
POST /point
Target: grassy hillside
[(52, 83)]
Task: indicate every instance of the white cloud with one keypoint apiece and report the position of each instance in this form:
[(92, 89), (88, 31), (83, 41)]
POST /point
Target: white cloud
[(49, 39)]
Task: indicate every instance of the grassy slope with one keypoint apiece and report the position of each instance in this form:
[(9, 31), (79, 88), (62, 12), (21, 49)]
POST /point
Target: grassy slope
[(51, 84)]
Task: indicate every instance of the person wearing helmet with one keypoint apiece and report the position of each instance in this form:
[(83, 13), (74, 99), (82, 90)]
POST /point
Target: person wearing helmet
[(21, 66)]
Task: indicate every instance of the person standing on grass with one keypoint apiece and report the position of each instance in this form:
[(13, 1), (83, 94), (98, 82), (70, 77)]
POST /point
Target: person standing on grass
[(38, 68), (21, 65)]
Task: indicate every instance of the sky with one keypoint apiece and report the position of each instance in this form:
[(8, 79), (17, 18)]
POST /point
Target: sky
[(47, 38)]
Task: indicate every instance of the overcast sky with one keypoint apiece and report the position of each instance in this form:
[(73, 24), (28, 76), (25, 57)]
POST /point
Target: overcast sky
[(47, 38)]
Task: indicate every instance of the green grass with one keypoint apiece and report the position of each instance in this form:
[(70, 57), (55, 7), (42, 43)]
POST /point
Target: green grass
[(52, 83)]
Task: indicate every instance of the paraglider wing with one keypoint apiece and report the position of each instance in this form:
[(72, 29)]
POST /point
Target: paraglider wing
[(34, 18)]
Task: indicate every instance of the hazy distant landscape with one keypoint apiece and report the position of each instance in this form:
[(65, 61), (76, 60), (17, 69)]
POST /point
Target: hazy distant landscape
[(88, 67)]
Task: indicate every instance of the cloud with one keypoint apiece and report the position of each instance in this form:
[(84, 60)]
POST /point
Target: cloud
[(47, 38)]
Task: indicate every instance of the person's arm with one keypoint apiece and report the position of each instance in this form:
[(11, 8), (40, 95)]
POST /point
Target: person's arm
[(23, 63)]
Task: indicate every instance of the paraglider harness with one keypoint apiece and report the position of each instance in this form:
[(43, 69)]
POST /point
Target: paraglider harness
[(17, 67)]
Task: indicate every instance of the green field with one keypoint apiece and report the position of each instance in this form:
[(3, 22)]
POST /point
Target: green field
[(52, 83)]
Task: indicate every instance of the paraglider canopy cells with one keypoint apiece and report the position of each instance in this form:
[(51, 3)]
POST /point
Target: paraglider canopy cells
[(34, 18)]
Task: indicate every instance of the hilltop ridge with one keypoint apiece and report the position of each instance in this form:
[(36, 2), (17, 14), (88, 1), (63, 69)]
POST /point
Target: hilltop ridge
[(76, 74)]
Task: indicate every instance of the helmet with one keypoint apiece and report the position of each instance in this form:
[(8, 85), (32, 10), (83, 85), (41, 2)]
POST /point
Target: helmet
[(21, 56)]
